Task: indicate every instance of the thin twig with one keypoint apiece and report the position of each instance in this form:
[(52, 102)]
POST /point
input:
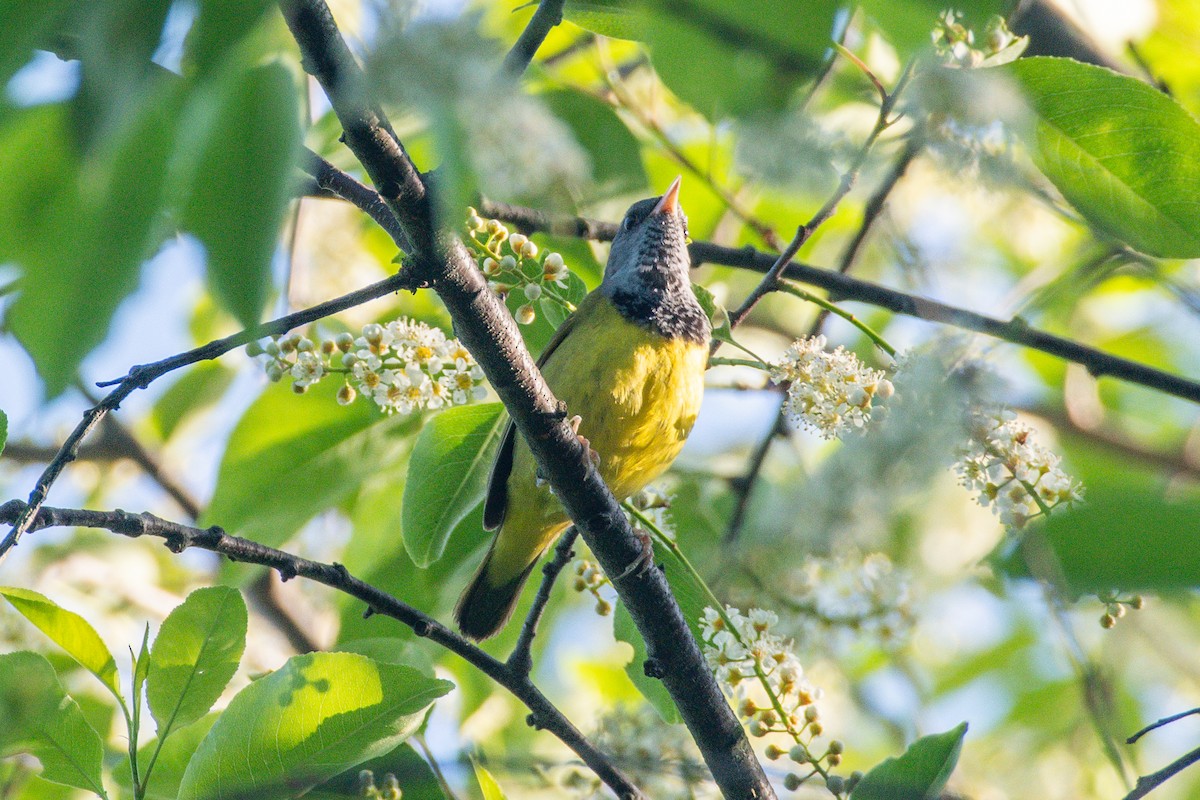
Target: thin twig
[(771, 281), (179, 537), (521, 659), (331, 179), (143, 375), (1164, 721), (844, 287), (1148, 783), (548, 15)]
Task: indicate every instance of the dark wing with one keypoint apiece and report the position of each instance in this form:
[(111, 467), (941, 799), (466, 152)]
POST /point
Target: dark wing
[(495, 504)]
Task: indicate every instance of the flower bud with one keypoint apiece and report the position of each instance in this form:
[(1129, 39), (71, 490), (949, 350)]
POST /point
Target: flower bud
[(603, 607), (1137, 602), (344, 341), (349, 360), (508, 263), (373, 333), (533, 291), (526, 315), (834, 759), (491, 266), (799, 754), (835, 784), (529, 249), (346, 395), (274, 372), (305, 345), (773, 752), (271, 348), (328, 346), (554, 261), (756, 728), (792, 781), (517, 241), (494, 226), (254, 349), (836, 746), (811, 714), (1108, 621), (299, 388)]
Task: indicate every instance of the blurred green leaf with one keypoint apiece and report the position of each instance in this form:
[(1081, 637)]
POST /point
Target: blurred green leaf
[(614, 151), (487, 784), (615, 18), (1124, 154), (25, 26), (447, 476), (79, 225), (919, 774), (196, 653), (42, 720), (317, 716), (220, 26), (1123, 537), (909, 26), (722, 60), (291, 457), (199, 387), (69, 631), (240, 154), (141, 670), (3, 431)]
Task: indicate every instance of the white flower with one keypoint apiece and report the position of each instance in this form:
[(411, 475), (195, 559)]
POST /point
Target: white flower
[(829, 392), (1003, 463), (308, 369), (462, 382)]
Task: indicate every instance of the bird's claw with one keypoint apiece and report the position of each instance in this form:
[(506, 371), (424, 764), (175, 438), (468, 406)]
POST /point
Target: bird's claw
[(643, 561), (592, 455)]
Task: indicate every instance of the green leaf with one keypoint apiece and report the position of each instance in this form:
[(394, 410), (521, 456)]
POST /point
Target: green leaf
[(317, 716), (487, 784), (722, 331), (447, 476), (416, 779), (69, 631), (141, 669), (291, 457), (220, 26), (919, 774), (3, 431), (1124, 154), (242, 153), (909, 26), (196, 653), (615, 18), (79, 226), (200, 386), (42, 720), (721, 60), (614, 151), (1128, 538), (162, 782), (25, 25)]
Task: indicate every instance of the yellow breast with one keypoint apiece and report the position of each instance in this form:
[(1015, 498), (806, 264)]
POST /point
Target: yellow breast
[(638, 394)]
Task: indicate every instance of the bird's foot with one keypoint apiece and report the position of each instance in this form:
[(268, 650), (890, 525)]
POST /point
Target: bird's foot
[(592, 455), (644, 561)]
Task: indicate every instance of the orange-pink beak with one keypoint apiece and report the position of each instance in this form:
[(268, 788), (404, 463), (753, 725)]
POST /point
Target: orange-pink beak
[(669, 202)]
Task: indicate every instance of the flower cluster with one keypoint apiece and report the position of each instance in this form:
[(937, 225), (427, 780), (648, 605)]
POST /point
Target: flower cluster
[(511, 263), (957, 45), (1019, 478), (590, 578), (765, 682), (829, 392), (858, 595), (404, 366), (1114, 607), (367, 788)]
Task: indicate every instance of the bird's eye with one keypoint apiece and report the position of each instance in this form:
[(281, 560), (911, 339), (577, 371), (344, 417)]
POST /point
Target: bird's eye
[(629, 222)]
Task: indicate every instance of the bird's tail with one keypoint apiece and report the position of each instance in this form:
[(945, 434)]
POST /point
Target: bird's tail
[(485, 605)]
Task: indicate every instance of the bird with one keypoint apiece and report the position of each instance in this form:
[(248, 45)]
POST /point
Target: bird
[(629, 365)]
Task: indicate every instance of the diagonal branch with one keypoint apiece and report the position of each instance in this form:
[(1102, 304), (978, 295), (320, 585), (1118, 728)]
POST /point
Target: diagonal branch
[(179, 537), (487, 329), (520, 658)]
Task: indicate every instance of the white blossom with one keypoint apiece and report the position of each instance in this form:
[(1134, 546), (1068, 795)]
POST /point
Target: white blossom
[(830, 392)]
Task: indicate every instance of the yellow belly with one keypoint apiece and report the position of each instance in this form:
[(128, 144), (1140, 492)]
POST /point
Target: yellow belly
[(638, 394)]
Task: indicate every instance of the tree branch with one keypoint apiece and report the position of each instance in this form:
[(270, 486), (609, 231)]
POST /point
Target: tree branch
[(1148, 783), (487, 329), (548, 14), (179, 537), (520, 658), (143, 375)]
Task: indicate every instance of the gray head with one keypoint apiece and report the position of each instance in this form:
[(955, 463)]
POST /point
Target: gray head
[(647, 272), (652, 238)]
